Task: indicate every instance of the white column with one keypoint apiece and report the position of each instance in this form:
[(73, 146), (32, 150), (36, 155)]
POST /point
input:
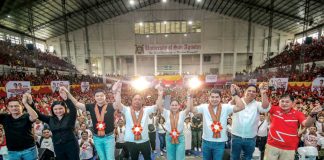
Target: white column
[(155, 64), (180, 64), (120, 71), (135, 65), (200, 64), (319, 33), (221, 68), (234, 63), (103, 49), (115, 63)]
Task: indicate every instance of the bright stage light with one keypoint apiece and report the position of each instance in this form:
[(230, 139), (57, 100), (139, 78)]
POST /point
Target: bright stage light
[(131, 2), (140, 84), (194, 83)]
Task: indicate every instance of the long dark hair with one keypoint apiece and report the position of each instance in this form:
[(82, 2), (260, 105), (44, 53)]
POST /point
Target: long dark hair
[(58, 103)]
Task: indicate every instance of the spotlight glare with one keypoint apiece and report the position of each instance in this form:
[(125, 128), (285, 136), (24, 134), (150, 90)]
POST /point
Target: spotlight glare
[(194, 83), (140, 84), (131, 2)]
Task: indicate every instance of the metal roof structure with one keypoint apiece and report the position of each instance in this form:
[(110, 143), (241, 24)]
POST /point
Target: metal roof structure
[(48, 16)]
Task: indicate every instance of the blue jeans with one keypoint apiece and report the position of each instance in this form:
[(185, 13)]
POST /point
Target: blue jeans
[(247, 145), (213, 150), (105, 146), (162, 140), (175, 151), (27, 154)]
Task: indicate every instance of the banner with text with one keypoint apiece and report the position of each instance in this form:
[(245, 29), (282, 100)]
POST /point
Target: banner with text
[(318, 84), (55, 85), (211, 78), (85, 86), (14, 88), (253, 82), (278, 83), (167, 48)]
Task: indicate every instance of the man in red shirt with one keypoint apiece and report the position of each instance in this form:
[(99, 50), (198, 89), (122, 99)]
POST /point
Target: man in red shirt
[(283, 134)]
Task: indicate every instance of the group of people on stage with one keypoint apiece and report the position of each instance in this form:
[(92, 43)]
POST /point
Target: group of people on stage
[(281, 143)]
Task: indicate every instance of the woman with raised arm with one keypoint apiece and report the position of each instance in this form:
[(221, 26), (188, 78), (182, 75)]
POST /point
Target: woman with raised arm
[(62, 123), (175, 140)]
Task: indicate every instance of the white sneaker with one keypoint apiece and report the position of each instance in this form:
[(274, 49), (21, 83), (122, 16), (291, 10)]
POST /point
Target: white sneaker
[(199, 149), (161, 153), (155, 152), (195, 148)]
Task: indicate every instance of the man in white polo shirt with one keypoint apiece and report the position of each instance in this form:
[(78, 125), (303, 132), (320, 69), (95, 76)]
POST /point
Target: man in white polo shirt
[(215, 122), (136, 131), (245, 123)]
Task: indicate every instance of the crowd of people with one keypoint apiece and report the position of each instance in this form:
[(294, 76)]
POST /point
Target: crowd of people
[(310, 73), (20, 55), (292, 54), (81, 125), (46, 78)]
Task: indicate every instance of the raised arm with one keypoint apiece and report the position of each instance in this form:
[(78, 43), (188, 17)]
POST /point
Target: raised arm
[(239, 105), (159, 101), (69, 104), (188, 106), (32, 113), (312, 116), (117, 93), (41, 116), (264, 97), (75, 102)]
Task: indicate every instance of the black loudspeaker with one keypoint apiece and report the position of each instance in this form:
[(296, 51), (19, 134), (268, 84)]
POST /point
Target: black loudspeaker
[(30, 46), (87, 61), (308, 40), (250, 60), (45, 154)]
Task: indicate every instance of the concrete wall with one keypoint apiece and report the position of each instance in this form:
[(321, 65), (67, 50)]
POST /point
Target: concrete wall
[(224, 38)]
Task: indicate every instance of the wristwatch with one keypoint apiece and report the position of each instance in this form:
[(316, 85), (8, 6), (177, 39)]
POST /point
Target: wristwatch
[(313, 115), (235, 94)]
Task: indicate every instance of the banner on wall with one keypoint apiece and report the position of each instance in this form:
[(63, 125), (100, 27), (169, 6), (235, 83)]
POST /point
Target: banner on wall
[(318, 84), (55, 85), (253, 81), (85, 86), (278, 83), (167, 48), (14, 88), (211, 78)]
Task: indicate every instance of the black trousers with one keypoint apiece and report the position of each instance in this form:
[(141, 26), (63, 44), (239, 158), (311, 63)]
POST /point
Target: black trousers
[(123, 146), (152, 136), (135, 148), (69, 150), (261, 143)]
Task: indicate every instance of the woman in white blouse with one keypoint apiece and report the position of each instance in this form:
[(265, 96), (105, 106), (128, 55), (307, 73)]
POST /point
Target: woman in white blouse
[(175, 139)]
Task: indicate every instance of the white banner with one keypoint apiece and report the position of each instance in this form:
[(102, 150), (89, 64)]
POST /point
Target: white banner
[(318, 84), (253, 81), (167, 48), (85, 86), (277, 83), (211, 78), (14, 88), (55, 85)]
